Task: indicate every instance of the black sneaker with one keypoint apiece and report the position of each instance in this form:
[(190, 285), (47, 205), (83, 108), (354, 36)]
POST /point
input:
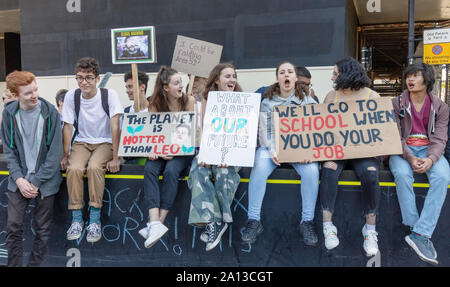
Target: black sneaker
[(309, 233), (215, 231), (253, 228)]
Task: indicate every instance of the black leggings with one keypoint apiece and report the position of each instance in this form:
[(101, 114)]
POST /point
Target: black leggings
[(369, 183)]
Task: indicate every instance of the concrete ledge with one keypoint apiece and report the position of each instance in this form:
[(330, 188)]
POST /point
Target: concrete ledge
[(123, 214)]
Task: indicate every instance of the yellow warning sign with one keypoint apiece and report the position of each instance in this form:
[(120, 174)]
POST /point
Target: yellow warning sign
[(436, 54)]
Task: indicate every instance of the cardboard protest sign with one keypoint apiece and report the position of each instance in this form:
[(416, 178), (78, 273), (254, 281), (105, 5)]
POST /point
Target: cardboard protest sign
[(195, 57), (336, 131), (133, 45), (229, 129), (165, 134)]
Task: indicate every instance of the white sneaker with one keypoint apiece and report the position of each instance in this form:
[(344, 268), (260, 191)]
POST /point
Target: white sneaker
[(330, 234), (145, 232), (204, 236), (75, 230), (370, 241), (156, 232)]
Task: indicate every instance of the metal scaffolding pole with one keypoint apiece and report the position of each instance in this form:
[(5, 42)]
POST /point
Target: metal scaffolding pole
[(411, 31)]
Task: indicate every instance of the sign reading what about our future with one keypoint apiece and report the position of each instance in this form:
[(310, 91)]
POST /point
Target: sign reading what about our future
[(229, 129), (164, 134), (336, 131)]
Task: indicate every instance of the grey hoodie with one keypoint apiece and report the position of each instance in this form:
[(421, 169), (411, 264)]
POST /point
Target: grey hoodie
[(48, 175), (266, 125)]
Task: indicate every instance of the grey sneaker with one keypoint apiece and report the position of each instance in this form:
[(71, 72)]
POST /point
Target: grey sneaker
[(215, 232), (309, 233), (253, 228), (75, 230), (94, 232), (423, 247)]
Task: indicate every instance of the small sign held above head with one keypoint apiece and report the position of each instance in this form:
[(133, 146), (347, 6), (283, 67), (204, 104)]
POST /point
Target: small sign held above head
[(135, 45), (195, 57)]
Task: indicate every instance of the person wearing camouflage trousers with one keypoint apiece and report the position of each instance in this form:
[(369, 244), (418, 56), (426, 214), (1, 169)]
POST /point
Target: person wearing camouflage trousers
[(211, 202)]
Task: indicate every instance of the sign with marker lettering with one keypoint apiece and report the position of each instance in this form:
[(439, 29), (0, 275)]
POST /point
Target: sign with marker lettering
[(195, 57), (164, 134), (336, 131), (229, 129)]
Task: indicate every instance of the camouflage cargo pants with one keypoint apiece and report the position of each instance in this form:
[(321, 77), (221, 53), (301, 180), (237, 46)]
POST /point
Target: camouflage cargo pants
[(211, 202)]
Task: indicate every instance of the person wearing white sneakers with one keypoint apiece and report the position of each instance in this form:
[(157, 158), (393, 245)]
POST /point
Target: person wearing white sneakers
[(350, 84), (167, 96)]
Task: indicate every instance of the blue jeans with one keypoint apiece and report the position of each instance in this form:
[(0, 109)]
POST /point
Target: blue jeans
[(261, 171), (438, 177)]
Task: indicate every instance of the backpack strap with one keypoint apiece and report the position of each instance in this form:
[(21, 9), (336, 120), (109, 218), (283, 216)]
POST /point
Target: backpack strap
[(105, 104), (77, 100)]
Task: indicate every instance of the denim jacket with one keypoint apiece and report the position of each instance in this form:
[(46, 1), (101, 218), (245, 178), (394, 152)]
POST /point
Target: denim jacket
[(266, 126)]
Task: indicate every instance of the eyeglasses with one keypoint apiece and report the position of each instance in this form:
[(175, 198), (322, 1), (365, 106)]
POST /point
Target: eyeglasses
[(88, 79)]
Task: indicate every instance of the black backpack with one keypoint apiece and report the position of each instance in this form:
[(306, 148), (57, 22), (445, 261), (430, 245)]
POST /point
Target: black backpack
[(77, 100)]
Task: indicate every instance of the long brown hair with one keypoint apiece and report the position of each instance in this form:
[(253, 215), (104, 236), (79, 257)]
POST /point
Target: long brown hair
[(274, 89), (214, 76), (159, 96)]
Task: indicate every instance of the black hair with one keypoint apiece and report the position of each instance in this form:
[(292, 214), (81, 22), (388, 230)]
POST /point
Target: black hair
[(351, 75), (427, 74), (303, 72), (88, 65), (60, 96), (142, 77)]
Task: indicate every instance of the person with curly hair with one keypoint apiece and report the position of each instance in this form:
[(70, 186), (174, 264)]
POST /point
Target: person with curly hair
[(350, 84)]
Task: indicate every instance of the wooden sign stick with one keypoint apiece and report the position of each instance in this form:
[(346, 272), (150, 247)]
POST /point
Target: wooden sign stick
[(191, 84), (134, 73)]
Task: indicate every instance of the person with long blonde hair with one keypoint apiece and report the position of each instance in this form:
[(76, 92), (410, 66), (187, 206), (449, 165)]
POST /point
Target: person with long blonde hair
[(211, 200)]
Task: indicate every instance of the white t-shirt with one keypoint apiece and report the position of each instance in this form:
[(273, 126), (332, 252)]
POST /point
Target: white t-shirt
[(131, 111), (93, 122)]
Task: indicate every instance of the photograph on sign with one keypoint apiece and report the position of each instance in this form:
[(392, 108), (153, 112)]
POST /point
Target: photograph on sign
[(336, 131), (230, 128), (133, 45), (164, 134), (195, 57)]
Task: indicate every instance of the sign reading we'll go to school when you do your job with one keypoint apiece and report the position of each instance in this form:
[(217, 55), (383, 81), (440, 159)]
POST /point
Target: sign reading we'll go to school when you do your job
[(229, 129), (164, 134), (336, 131)]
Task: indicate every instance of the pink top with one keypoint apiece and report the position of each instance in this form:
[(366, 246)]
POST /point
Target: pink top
[(419, 132)]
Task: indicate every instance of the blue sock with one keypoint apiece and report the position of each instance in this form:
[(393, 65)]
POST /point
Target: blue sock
[(94, 215), (77, 215)]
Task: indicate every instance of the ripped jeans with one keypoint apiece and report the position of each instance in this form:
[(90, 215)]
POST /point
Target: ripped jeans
[(370, 186)]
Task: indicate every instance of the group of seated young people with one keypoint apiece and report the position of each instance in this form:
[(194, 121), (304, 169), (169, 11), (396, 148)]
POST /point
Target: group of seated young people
[(91, 132)]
